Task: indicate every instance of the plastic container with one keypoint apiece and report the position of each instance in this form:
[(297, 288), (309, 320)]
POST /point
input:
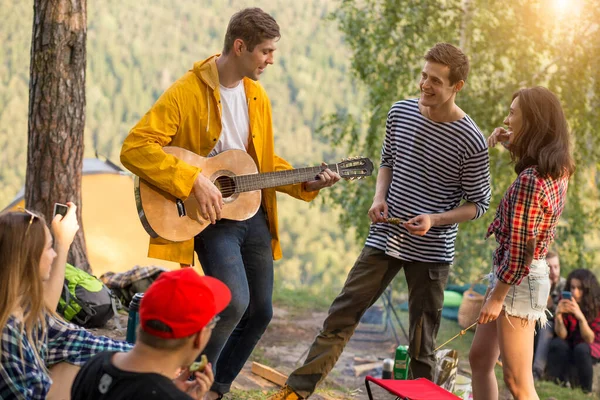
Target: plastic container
[(401, 362), (462, 387)]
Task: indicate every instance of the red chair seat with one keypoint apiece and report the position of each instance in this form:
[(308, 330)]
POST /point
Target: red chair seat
[(418, 389)]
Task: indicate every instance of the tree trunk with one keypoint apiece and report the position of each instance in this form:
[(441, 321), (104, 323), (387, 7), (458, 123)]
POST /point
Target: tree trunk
[(57, 111)]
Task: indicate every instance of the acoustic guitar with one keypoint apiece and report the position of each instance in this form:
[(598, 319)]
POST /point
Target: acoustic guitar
[(236, 176)]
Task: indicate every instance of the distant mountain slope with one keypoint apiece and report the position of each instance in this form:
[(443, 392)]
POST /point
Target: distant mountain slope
[(137, 48)]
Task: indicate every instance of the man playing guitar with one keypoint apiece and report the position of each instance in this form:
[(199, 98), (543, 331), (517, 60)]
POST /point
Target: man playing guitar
[(219, 105)]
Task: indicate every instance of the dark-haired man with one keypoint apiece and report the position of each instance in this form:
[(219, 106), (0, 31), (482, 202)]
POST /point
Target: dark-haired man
[(433, 157), (546, 333), (217, 106)]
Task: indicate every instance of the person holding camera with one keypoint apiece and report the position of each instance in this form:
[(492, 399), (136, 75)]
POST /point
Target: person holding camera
[(545, 332), (576, 346), (40, 353)]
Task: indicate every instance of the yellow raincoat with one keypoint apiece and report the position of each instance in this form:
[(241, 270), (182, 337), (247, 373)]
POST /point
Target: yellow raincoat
[(188, 115)]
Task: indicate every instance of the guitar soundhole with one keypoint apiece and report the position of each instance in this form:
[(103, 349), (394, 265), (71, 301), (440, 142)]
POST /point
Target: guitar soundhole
[(226, 186)]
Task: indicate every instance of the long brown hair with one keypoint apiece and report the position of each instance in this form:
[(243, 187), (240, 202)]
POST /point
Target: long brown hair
[(544, 139), (22, 242), (590, 292)]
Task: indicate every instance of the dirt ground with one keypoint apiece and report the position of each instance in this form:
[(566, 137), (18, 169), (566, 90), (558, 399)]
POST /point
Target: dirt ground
[(284, 346)]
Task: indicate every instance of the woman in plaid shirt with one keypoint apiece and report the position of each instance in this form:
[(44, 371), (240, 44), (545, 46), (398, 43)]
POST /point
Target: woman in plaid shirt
[(538, 140), (37, 347), (577, 327)]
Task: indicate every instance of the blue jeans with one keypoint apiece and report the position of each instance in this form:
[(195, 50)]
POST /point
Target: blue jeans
[(540, 358), (562, 358), (239, 254)]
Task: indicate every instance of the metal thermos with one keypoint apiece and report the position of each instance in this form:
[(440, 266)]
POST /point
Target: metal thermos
[(134, 317), (388, 368)]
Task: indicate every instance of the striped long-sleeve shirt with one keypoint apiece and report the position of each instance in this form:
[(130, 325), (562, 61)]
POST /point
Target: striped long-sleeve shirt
[(434, 167)]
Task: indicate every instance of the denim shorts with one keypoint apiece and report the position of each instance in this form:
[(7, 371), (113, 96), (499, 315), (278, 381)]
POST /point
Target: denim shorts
[(528, 300)]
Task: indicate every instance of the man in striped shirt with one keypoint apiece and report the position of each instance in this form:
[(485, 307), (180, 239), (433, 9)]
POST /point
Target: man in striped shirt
[(434, 157)]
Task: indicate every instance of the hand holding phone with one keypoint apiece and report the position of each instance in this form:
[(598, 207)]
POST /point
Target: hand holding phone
[(566, 295), (60, 209), (64, 223)]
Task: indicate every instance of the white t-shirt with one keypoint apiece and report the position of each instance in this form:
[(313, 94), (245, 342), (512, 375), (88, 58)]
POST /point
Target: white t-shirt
[(234, 119)]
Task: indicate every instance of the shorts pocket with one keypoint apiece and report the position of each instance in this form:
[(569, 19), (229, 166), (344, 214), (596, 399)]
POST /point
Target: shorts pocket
[(539, 289)]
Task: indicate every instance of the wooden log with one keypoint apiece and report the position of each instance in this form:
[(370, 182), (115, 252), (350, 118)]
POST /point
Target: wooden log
[(360, 369), (269, 374), (364, 360)]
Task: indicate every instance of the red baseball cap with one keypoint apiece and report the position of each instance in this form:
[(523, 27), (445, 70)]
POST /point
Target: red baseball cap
[(183, 301)]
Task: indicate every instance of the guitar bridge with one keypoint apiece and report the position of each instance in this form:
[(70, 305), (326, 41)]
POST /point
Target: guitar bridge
[(180, 208)]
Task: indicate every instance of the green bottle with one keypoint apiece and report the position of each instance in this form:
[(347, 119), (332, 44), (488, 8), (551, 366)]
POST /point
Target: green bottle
[(401, 362)]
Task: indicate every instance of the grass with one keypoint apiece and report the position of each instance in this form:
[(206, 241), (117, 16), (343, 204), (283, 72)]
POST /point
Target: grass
[(258, 355), (549, 389), (298, 301), (258, 394), (247, 394), (462, 344)]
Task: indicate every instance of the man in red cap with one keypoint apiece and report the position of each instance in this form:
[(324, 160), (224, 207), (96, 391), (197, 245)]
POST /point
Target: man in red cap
[(177, 315)]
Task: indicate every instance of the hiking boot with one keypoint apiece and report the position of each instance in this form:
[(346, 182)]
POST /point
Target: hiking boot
[(285, 393)]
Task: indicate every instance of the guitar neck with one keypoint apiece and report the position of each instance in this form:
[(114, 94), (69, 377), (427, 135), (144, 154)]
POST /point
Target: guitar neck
[(249, 183)]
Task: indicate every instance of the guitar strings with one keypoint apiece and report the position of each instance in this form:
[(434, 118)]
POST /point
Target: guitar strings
[(248, 182), (245, 183)]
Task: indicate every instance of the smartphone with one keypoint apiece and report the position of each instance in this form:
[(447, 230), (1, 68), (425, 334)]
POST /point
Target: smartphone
[(60, 209), (566, 295)]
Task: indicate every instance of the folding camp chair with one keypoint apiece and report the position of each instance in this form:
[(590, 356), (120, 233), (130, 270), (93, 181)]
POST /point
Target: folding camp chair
[(418, 389), (369, 335)]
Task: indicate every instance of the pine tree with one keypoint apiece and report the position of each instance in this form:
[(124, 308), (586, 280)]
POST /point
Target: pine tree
[(57, 111)]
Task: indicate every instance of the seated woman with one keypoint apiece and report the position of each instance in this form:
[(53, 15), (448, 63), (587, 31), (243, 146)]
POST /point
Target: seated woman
[(40, 354), (577, 327)]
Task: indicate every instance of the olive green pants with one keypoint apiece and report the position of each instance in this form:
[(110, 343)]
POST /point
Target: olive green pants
[(366, 281)]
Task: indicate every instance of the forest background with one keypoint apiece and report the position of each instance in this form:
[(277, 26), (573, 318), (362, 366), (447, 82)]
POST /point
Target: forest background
[(339, 66)]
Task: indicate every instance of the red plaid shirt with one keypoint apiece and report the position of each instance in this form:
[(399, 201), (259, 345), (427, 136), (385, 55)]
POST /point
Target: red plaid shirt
[(574, 334), (529, 210)]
